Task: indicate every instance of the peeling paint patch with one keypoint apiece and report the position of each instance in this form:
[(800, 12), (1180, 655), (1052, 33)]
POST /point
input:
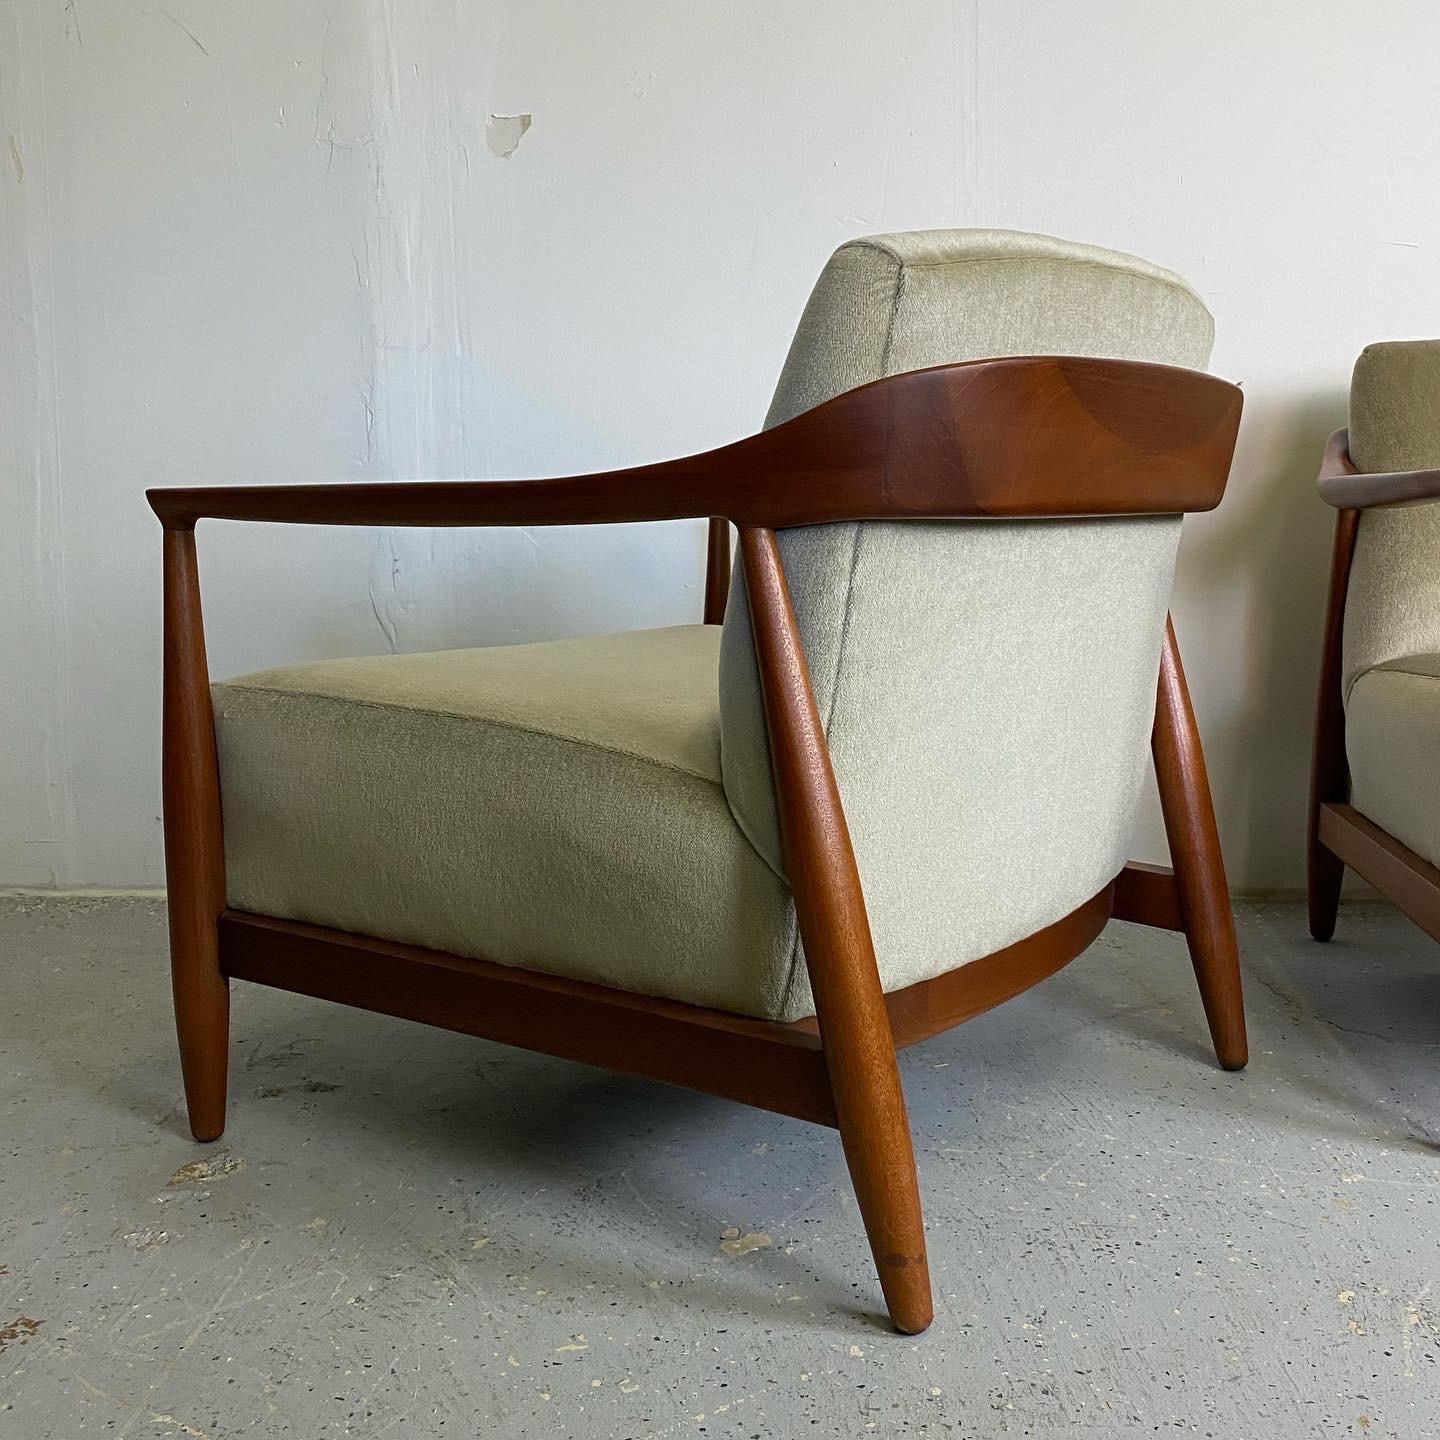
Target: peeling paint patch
[(21, 1328), (216, 1167), (504, 132), (17, 161)]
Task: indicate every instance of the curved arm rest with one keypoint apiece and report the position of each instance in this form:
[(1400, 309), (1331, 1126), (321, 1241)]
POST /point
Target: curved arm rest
[(1343, 486), (1047, 436)]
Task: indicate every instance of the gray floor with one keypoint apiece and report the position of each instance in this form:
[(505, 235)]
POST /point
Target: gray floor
[(407, 1233)]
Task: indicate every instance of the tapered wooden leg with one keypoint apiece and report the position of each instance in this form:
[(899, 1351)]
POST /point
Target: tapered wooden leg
[(1324, 875), (194, 855), (875, 1131), (849, 1003), (1195, 854), (1329, 769)]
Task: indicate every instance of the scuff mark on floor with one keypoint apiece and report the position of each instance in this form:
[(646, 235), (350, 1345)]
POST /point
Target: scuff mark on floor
[(146, 1239), (732, 1242), (181, 1426), (214, 1167), (280, 1055), (306, 1087)]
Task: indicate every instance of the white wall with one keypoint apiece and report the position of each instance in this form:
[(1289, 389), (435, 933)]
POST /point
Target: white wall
[(270, 242)]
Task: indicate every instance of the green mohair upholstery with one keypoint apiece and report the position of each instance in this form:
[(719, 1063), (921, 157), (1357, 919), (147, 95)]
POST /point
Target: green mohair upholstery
[(1392, 735), (1392, 607), (556, 806), (987, 687), (602, 808)]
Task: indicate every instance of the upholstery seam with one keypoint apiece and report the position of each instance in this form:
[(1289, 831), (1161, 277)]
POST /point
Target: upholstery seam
[(1178, 285), (829, 720), (885, 353), (474, 719), (1394, 667), (744, 829)]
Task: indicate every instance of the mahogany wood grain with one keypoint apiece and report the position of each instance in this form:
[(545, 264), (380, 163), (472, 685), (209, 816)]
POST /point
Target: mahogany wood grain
[(1148, 895), (194, 849), (1329, 767), (1395, 870), (777, 1067), (839, 954), (1189, 815), (1340, 484), (717, 570), (1048, 436)]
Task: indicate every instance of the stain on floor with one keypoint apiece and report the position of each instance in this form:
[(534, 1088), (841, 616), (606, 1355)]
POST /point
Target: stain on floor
[(21, 1328)]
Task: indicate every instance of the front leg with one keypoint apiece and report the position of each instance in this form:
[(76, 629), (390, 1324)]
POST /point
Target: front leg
[(194, 848)]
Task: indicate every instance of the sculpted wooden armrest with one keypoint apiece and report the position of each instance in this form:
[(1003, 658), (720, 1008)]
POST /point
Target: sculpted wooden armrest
[(1048, 436), (1346, 488)]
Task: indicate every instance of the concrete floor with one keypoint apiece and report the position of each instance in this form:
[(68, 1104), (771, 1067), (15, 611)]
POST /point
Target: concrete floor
[(408, 1233)]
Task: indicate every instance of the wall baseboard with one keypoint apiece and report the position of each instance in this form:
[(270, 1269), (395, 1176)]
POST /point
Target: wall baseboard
[(87, 892)]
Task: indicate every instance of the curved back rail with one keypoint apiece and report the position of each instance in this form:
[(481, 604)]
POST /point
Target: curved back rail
[(1046, 436)]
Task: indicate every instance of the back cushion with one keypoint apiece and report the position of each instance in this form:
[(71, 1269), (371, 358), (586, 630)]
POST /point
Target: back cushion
[(987, 687), (1392, 607)]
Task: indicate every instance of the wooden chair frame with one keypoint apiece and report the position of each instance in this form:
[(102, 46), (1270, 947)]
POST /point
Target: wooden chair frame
[(1030, 437), (1338, 834)]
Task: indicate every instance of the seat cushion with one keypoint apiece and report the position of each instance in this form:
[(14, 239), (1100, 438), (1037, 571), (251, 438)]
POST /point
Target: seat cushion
[(1392, 735), (554, 806)]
